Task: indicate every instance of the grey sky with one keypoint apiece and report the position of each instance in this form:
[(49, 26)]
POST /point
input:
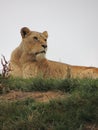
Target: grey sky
[(72, 26)]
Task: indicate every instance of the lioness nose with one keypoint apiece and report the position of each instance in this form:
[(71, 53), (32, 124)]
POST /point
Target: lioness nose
[(44, 46)]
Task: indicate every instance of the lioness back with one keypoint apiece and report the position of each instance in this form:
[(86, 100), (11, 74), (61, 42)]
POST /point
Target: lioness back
[(29, 60)]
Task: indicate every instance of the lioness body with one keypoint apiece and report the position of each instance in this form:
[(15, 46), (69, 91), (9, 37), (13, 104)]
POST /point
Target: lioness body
[(28, 60)]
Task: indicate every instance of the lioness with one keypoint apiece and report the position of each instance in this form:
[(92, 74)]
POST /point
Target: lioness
[(28, 60)]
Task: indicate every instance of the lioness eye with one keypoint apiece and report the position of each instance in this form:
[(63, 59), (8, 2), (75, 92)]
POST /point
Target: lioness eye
[(45, 40), (35, 38)]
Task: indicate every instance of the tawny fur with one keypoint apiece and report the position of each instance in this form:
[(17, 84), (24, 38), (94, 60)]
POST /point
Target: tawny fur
[(28, 60)]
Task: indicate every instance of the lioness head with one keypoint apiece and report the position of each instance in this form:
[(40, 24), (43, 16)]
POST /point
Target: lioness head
[(34, 43)]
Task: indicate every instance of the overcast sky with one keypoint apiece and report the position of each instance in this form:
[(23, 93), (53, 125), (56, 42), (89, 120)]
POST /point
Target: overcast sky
[(72, 26)]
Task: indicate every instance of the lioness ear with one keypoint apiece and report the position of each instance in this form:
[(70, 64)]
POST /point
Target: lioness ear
[(24, 32), (45, 34)]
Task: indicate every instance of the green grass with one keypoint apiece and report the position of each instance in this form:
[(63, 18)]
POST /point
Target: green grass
[(38, 84), (73, 113)]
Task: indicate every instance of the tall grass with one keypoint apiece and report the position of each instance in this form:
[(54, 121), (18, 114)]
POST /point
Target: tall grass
[(40, 84), (73, 113)]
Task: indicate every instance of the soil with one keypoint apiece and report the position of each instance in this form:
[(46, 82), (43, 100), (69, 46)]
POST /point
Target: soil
[(37, 96)]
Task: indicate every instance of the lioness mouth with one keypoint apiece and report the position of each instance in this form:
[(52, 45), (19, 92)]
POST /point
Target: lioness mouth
[(39, 52)]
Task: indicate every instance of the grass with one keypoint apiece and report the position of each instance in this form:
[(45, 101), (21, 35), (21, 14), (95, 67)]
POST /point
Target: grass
[(38, 84), (73, 113)]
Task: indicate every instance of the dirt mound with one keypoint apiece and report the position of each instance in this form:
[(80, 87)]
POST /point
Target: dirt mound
[(37, 96)]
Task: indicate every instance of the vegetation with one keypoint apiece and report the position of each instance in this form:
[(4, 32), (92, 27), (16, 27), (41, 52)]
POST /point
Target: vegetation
[(76, 112)]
